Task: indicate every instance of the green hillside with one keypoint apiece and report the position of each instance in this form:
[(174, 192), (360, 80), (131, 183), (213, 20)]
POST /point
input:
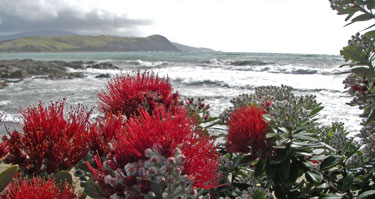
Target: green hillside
[(87, 44)]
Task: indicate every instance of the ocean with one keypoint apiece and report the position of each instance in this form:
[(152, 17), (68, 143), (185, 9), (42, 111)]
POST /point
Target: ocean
[(216, 76)]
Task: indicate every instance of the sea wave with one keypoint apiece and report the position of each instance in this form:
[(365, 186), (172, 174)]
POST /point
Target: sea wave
[(222, 84), (145, 64), (191, 82), (260, 66)]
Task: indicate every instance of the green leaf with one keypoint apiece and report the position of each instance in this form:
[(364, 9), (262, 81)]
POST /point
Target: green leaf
[(302, 128), (318, 158), (366, 194), (308, 164), (284, 170), (348, 17), (371, 116), (330, 162), (316, 110), (63, 176), (258, 168), (362, 17), (333, 196), (370, 5), (370, 33), (347, 11), (354, 54), (258, 195), (306, 146), (271, 135), (211, 119), (323, 186), (306, 138), (7, 176), (94, 191), (348, 23), (348, 181), (270, 170), (364, 72), (369, 28), (294, 171), (314, 177)]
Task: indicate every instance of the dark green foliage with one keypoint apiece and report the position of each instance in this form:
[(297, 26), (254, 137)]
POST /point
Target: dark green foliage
[(7, 176), (94, 191)]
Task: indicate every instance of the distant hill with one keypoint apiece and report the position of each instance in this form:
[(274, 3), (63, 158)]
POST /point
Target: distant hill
[(41, 33), (87, 44), (185, 48)]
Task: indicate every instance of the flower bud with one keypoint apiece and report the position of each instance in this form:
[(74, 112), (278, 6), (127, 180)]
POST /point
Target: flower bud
[(170, 180), (153, 171), (149, 153), (160, 179), (155, 159), (110, 180), (180, 159), (164, 169), (177, 171), (130, 169), (171, 160)]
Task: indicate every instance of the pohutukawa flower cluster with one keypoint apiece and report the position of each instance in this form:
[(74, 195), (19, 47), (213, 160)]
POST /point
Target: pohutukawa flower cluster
[(51, 140), (162, 147), (105, 132), (39, 188), (126, 94), (247, 132), (4, 145)]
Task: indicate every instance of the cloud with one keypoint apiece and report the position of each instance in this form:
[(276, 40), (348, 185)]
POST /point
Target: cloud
[(26, 15)]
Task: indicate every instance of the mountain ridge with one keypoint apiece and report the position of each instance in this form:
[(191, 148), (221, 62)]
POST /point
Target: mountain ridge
[(87, 44), (63, 41)]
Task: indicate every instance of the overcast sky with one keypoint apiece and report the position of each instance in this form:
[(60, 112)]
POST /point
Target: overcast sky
[(283, 26)]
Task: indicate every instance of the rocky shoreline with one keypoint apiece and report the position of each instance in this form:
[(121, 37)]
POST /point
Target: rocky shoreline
[(18, 70)]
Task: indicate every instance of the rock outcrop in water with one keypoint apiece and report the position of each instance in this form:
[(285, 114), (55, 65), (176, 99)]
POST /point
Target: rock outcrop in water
[(17, 70)]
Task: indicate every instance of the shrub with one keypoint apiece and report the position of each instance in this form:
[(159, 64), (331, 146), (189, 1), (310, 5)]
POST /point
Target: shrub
[(158, 154)]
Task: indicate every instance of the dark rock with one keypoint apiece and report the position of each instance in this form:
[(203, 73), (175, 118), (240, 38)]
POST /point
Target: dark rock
[(66, 76), (75, 65), (18, 70), (103, 66), (103, 76), (19, 74), (75, 75)]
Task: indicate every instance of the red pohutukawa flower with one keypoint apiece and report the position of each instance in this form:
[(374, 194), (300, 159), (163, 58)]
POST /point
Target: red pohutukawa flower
[(125, 94), (39, 189), (247, 132), (104, 132), (4, 145), (50, 141), (162, 147)]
